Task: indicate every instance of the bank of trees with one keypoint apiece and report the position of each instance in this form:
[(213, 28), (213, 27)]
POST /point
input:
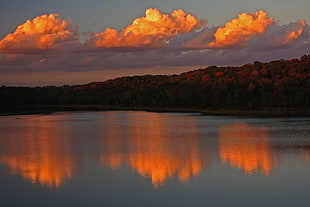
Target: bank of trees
[(278, 84)]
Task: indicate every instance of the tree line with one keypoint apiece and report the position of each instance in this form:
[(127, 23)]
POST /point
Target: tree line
[(280, 84)]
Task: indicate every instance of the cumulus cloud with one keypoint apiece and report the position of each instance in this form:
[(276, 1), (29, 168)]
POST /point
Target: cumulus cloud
[(41, 33), (157, 39), (242, 29), (284, 35), (155, 29), (195, 39)]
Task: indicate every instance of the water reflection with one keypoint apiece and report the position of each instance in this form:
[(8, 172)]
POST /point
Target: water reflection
[(305, 153), (156, 151), (113, 155), (50, 150), (246, 147), (153, 149), (39, 152)]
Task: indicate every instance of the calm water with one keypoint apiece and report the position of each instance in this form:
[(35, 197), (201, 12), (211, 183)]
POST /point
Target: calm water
[(153, 159)]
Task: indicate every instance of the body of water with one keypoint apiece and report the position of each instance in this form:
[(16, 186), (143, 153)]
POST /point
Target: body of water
[(123, 158)]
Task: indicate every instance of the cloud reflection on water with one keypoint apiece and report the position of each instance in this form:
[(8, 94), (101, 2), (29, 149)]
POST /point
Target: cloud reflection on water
[(50, 150), (246, 147)]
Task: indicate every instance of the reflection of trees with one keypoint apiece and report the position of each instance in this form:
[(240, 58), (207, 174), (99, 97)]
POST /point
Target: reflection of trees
[(246, 147), (40, 154), (154, 150)]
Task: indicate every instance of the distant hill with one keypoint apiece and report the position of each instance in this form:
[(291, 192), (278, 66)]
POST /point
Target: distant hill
[(281, 84)]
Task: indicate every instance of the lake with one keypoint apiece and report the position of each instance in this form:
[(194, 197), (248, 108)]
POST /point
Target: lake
[(127, 158)]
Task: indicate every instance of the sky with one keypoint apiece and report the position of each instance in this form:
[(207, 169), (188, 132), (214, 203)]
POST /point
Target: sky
[(58, 42)]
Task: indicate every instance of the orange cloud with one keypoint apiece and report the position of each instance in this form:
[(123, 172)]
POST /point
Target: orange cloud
[(189, 40), (292, 32), (295, 33), (242, 29), (152, 30), (43, 32)]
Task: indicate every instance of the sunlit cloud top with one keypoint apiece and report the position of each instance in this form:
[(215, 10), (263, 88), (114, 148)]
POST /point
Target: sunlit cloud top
[(42, 33), (157, 39), (152, 30), (240, 30)]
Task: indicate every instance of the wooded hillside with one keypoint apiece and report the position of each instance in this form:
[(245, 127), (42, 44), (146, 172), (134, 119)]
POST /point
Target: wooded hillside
[(278, 84)]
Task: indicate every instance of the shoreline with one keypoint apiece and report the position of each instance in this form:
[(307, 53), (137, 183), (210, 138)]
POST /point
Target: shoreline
[(49, 109)]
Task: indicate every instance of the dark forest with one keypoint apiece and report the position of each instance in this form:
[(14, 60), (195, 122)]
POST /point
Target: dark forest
[(280, 85)]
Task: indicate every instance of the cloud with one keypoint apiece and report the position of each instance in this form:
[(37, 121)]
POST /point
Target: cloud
[(153, 30), (239, 31), (284, 35), (42, 33), (157, 40), (195, 40)]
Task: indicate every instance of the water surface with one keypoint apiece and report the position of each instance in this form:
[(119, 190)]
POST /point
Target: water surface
[(153, 159)]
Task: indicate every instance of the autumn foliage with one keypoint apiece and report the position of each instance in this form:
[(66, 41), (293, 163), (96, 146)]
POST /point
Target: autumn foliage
[(278, 84)]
